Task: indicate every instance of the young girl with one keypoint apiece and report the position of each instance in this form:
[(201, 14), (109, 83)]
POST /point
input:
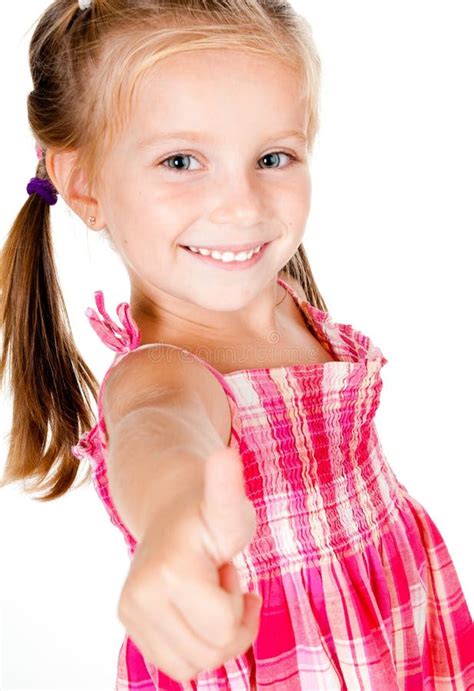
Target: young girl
[(271, 545)]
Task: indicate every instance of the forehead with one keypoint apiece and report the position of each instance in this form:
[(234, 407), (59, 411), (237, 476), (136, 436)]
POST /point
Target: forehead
[(212, 90)]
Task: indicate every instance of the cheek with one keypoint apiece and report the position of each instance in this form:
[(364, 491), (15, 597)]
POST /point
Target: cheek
[(148, 253), (295, 201), (167, 210)]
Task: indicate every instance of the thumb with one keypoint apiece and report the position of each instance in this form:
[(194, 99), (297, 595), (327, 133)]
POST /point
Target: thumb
[(228, 513)]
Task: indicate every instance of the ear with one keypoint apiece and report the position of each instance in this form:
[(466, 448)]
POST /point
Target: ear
[(72, 186)]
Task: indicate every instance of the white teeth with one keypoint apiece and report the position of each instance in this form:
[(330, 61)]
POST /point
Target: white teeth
[(227, 256)]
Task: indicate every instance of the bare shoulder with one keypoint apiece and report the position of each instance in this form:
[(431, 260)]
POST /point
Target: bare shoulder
[(161, 374), (296, 285)]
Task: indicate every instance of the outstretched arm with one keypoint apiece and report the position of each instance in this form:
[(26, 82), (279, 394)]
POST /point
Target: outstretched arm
[(164, 415)]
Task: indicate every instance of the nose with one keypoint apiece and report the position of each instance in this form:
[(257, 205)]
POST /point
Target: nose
[(238, 201)]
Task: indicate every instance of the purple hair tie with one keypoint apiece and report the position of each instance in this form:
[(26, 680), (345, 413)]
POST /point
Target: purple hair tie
[(44, 188)]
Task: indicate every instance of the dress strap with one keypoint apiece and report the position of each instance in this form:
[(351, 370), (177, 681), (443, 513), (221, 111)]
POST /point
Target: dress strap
[(344, 342), (120, 339), (304, 304)]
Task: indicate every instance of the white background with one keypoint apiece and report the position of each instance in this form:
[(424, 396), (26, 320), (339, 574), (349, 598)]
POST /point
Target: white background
[(389, 243)]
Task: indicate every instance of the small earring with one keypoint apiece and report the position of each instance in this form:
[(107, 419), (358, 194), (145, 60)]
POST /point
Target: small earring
[(91, 220)]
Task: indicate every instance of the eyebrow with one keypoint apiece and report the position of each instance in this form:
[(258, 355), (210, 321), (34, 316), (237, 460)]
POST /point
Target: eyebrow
[(204, 136)]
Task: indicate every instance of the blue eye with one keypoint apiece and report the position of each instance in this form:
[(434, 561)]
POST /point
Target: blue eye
[(174, 158), (278, 154), (180, 155)]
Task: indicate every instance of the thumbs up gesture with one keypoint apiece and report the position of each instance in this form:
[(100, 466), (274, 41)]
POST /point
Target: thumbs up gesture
[(181, 602)]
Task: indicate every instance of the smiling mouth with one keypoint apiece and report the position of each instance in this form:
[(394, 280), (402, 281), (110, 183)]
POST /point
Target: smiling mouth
[(226, 256), (228, 260)]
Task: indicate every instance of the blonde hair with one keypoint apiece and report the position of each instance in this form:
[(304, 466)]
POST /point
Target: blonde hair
[(86, 66)]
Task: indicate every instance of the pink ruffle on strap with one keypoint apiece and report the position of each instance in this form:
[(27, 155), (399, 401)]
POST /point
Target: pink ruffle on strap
[(120, 339), (84, 448)]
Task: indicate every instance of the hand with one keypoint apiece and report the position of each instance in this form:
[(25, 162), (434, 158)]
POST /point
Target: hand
[(181, 602)]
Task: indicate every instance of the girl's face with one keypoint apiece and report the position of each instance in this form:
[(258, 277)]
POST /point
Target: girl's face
[(214, 154)]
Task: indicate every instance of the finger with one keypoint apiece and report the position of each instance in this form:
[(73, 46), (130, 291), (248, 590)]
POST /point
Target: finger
[(190, 647), (229, 578), (229, 581), (211, 612), (208, 609), (159, 652), (172, 663), (210, 657), (250, 624), (247, 631), (168, 639)]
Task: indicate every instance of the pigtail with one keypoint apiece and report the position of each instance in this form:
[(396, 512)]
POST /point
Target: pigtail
[(47, 376)]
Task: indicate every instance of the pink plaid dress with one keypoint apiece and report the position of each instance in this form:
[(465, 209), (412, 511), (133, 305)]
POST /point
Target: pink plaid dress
[(359, 590)]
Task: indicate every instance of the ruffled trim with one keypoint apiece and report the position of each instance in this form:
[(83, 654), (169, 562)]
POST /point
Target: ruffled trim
[(91, 447), (84, 448), (120, 339)]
